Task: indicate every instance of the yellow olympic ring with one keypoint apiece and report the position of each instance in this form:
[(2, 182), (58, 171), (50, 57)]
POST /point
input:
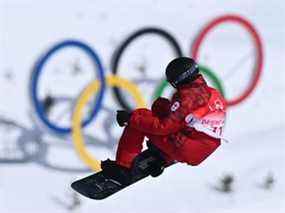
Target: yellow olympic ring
[(93, 87)]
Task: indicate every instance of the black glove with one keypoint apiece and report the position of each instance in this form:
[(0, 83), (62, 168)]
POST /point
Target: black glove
[(123, 117), (157, 166)]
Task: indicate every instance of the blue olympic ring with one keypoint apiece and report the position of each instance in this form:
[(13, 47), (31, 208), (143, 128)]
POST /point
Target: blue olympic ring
[(39, 65)]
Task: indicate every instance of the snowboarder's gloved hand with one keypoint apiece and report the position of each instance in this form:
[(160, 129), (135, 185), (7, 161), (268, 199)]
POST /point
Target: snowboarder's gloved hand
[(149, 162), (123, 117), (157, 168), (161, 107)]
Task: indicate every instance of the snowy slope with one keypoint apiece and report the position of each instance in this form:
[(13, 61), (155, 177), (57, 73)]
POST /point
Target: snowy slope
[(255, 128)]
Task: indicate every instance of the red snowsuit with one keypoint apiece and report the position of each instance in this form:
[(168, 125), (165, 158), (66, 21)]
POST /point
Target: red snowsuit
[(189, 133)]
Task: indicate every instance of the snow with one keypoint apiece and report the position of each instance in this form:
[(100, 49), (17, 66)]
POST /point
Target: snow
[(254, 128)]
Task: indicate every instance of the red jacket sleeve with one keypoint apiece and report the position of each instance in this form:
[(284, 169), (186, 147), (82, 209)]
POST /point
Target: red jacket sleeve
[(146, 121)]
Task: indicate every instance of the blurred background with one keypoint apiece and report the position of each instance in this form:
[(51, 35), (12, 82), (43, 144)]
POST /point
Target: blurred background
[(45, 63)]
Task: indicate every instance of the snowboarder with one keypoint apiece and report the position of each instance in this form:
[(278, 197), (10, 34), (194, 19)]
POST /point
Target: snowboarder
[(187, 128)]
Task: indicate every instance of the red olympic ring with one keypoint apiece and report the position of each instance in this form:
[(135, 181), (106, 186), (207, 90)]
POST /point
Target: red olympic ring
[(257, 42)]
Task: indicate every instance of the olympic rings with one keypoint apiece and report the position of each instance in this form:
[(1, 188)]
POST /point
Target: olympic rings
[(88, 92), (206, 71), (34, 86), (116, 60), (258, 45), (118, 53)]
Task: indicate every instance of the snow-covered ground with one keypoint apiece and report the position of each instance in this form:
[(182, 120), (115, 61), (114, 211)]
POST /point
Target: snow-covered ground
[(255, 128)]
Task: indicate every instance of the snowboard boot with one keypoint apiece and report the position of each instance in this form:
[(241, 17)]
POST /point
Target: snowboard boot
[(116, 172)]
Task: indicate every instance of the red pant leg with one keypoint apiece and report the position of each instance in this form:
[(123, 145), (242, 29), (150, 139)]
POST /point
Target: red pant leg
[(192, 149), (130, 145), (195, 149), (162, 143)]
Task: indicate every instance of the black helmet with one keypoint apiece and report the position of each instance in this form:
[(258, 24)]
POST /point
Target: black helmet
[(181, 70)]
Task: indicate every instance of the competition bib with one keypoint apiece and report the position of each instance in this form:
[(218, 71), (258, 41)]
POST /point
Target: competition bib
[(212, 122)]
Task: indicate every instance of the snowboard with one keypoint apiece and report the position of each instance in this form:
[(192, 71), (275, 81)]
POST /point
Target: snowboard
[(98, 186)]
